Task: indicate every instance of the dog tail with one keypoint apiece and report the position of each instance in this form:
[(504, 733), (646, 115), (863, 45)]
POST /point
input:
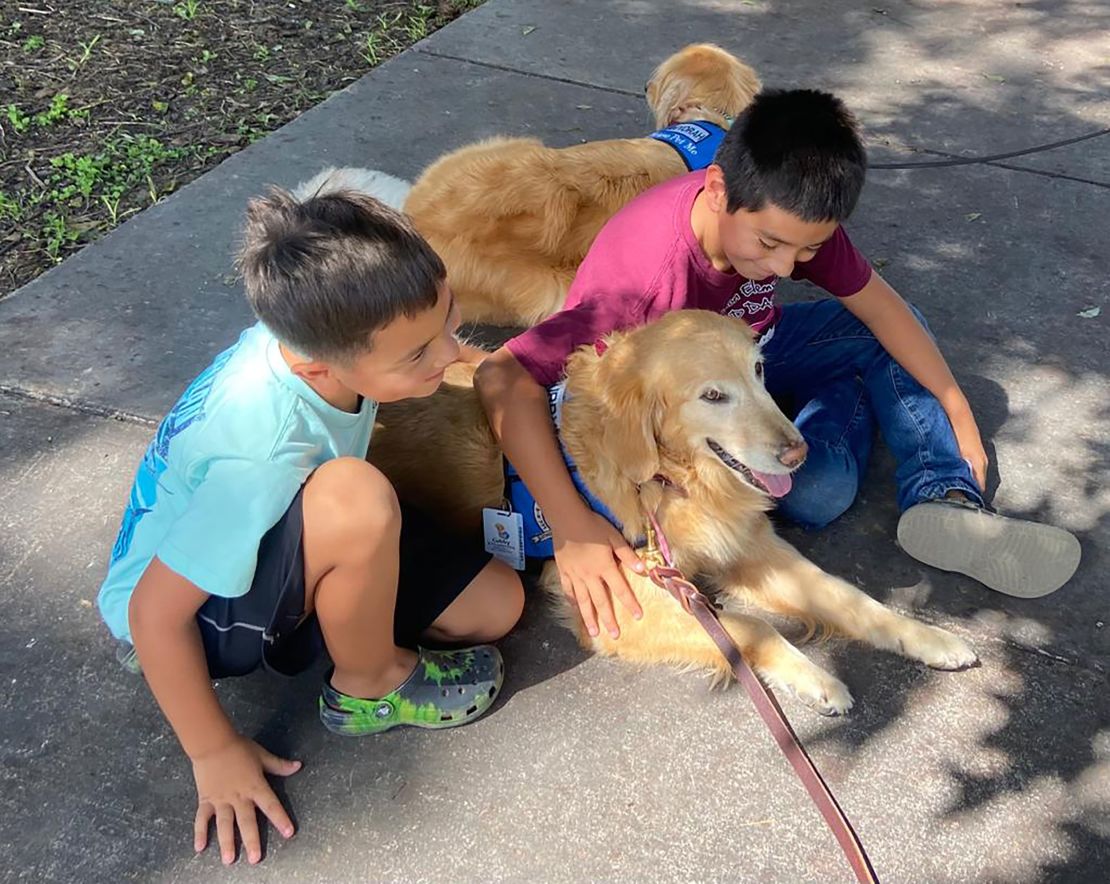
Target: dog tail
[(390, 190)]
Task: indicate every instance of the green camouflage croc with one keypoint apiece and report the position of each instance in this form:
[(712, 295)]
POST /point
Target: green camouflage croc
[(446, 689)]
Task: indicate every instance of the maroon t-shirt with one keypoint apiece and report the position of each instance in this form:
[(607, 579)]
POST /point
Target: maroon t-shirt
[(646, 261)]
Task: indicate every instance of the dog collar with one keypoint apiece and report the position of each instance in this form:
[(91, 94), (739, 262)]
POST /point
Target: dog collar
[(696, 142)]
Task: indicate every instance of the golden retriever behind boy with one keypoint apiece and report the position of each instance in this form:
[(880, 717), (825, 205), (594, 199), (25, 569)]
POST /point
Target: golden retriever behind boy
[(512, 219), (671, 417)]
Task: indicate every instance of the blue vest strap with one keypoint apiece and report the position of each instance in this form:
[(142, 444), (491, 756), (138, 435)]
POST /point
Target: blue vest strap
[(696, 143), (537, 533)]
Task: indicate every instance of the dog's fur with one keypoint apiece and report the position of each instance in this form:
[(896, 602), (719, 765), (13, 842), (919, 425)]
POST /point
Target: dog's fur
[(631, 414), (390, 190), (513, 219)]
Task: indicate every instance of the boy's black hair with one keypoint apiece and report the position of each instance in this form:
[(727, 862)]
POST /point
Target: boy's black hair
[(798, 149), (325, 273)]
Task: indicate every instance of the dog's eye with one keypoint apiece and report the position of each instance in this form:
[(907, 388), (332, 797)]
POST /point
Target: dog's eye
[(759, 370), (714, 396)]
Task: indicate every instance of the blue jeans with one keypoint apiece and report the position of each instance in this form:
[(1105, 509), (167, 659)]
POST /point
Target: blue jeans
[(830, 366)]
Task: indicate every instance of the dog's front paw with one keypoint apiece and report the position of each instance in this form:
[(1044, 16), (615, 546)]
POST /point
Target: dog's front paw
[(939, 649), (821, 692), (794, 671), (814, 686)]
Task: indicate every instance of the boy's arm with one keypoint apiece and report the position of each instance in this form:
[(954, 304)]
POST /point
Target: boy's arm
[(883, 311), (228, 768), (587, 547)]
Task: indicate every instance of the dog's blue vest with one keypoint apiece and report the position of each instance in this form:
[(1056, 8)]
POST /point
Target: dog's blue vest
[(696, 143), (537, 533)]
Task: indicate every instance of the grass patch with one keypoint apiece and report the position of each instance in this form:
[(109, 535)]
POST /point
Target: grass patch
[(107, 108)]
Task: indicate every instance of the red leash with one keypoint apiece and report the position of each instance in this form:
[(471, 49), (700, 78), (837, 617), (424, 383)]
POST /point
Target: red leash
[(695, 602)]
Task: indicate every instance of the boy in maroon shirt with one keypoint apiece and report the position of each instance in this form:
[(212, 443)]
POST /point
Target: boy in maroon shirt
[(788, 173)]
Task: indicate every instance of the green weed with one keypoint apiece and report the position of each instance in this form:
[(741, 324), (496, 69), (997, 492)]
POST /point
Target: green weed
[(59, 110), (56, 232), (76, 175), (19, 120), (258, 127), (34, 43), (75, 64), (111, 205), (379, 42), (10, 209), (417, 25), (385, 36), (107, 178), (386, 21), (372, 51), (187, 9)]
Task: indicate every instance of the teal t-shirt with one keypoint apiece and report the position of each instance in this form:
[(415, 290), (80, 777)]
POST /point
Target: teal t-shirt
[(223, 467)]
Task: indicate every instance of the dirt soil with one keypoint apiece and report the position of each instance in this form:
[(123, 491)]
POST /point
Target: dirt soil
[(107, 106)]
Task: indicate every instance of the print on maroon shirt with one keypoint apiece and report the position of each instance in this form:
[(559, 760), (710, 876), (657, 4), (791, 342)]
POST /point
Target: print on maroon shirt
[(646, 261)]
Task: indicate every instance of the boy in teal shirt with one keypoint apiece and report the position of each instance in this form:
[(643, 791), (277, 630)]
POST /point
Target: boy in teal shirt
[(257, 534)]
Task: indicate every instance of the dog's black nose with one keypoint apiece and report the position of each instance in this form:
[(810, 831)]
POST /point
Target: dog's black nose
[(793, 453)]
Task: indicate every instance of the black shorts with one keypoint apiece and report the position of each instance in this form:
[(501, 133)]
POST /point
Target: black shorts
[(261, 626)]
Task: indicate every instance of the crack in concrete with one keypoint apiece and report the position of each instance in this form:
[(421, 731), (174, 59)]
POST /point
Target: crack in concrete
[(1084, 662), (78, 406), (1045, 174), (511, 70), (961, 160)]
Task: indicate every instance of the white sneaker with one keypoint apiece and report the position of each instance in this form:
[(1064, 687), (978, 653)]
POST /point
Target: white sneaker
[(1011, 556)]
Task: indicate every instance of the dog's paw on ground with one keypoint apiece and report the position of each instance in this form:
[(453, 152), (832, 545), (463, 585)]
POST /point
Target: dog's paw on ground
[(940, 649), (823, 693)]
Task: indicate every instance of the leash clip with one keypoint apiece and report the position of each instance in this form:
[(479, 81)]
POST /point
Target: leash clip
[(651, 554)]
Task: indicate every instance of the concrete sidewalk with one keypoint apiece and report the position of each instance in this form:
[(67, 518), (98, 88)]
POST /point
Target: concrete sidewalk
[(589, 769)]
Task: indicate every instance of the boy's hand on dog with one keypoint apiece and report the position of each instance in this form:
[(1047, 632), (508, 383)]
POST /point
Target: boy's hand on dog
[(231, 783), (589, 555)]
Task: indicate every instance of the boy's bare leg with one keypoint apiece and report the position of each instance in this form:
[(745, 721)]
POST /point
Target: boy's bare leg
[(486, 610), (352, 529)]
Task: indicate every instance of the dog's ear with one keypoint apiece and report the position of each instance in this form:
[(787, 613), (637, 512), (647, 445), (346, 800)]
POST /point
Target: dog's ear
[(667, 96), (614, 433), (632, 413)]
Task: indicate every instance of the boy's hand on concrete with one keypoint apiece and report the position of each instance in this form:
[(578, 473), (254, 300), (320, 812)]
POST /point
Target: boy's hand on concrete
[(589, 554), (971, 448), (231, 783)]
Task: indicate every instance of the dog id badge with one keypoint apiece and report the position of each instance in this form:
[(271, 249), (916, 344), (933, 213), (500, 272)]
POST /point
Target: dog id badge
[(504, 533)]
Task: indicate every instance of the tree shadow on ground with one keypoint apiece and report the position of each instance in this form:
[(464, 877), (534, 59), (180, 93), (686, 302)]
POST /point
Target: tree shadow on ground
[(1001, 291)]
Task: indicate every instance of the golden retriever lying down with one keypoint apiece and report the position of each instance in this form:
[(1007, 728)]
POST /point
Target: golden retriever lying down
[(512, 219), (680, 398)]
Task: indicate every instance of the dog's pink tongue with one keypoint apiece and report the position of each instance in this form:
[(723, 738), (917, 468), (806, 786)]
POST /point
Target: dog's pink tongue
[(776, 485)]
